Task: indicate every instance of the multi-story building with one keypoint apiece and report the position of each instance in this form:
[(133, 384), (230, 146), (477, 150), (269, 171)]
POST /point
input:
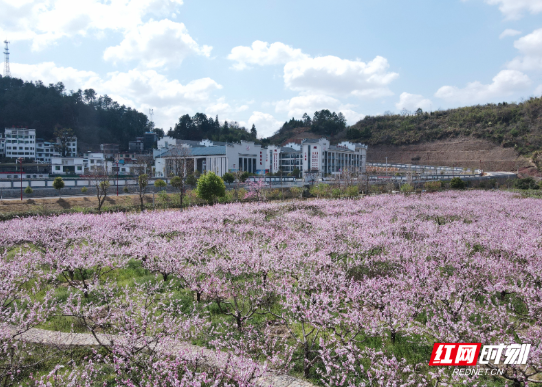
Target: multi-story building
[(67, 165), (2, 145), (206, 155), (317, 156), (110, 150), (46, 150), (90, 163), (71, 146), (310, 156), (149, 140), (137, 146), (20, 142), (167, 142)]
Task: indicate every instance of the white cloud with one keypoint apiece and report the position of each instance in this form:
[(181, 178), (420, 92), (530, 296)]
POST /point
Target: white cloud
[(48, 72), (514, 9), (413, 102), (46, 21), (156, 44), (262, 53), (309, 104), (538, 91), (509, 32), (265, 124), (504, 83), (152, 88), (138, 89), (341, 77), (530, 46), (224, 110)]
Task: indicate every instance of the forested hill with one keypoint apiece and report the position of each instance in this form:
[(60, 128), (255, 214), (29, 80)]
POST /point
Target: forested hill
[(511, 125), (94, 119)]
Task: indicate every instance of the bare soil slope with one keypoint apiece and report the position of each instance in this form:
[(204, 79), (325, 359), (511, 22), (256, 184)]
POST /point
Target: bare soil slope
[(464, 152)]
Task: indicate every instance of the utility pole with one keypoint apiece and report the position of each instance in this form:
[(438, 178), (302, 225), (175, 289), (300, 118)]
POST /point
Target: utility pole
[(21, 161), (118, 178), (7, 71)]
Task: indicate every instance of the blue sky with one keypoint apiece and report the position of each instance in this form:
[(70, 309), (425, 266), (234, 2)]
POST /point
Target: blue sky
[(262, 62)]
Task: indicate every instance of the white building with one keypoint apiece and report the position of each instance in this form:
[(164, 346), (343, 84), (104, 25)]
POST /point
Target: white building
[(20, 143), (206, 155), (167, 142), (67, 165), (45, 150), (311, 156), (71, 146), (317, 156), (79, 165)]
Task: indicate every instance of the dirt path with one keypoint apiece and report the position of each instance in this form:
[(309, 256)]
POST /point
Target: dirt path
[(210, 358), (58, 204)]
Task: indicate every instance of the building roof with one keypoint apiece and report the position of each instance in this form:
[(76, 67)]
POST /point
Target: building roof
[(286, 149), (199, 151)]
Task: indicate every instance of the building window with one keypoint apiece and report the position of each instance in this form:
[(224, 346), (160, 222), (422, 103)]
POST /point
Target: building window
[(57, 168)]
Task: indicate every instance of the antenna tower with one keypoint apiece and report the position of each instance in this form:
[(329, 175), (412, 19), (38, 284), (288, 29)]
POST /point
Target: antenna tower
[(7, 72)]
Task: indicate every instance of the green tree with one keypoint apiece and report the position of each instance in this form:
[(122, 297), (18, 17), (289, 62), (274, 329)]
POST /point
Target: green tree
[(406, 188), (160, 184), (58, 184), (457, 183), (253, 132), (328, 123), (178, 183), (526, 183), (28, 190), (296, 173), (142, 183), (210, 187), (63, 138), (228, 178), (296, 192), (244, 176), (101, 192), (84, 190), (191, 180)]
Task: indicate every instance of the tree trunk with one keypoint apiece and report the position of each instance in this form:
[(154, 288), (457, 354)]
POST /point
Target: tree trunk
[(307, 366)]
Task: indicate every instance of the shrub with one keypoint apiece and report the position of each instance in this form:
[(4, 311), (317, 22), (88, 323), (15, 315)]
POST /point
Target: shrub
[(227, 198), (352, 191), (296, 191), (28, 190), (58, 184), (244, 176), (526, 183), (320, 190), (228, 178), (406, 188), (163, 198), (336, 192), (191, 180), (126, 189), (457, 183), (432, 186), (160, 184), (84, 190), (210, 187)]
